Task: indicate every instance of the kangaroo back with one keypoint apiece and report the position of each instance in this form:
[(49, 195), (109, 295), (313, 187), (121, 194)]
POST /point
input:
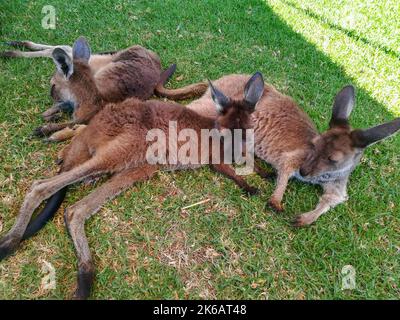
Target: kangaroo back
[(133, 72)]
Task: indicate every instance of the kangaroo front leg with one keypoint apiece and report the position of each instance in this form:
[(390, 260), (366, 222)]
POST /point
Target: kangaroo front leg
[(334, 194), (76, 215), (275, 202), (66, 133), (40, 191), (48, 129), (54, 113), (229, 172)]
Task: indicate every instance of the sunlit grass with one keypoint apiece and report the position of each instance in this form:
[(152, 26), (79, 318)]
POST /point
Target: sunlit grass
[(361, 36)]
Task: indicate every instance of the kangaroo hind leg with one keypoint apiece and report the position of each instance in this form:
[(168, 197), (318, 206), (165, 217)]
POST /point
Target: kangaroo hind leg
[(42, 190), (76, 215)]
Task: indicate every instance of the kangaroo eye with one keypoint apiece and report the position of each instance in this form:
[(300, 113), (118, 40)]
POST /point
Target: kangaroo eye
[(332, 160)]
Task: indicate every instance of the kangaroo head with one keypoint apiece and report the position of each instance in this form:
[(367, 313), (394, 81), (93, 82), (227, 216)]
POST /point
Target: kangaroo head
[(335, 153), (73, 82), (235, 114)]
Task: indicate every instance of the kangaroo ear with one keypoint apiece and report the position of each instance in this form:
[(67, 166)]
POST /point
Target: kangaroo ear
[(221, 101), (81, 49), (63, 62), (254, 89), (342, 107), (364, 138)]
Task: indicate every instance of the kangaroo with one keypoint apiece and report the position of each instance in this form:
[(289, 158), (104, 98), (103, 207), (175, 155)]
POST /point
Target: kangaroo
[(287, 138), (132, 72), (114, 143)]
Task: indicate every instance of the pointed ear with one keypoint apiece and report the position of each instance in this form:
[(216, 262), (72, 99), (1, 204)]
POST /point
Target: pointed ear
[(342, 107), (254, 89), (221, 101), (364, 138), (81, 50), (63, 62)]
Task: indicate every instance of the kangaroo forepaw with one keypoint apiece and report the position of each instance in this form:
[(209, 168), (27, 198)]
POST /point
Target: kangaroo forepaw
[(52, 118), (51, 114), (43, 131), (275, 205), (39, 132), (85, 283), (8, 245), (304, 220)]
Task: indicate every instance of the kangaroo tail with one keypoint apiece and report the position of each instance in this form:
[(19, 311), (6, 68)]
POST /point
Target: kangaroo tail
[(187, 92), (48, 212)]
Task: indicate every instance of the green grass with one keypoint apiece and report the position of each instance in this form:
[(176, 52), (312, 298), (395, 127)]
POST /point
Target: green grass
[(143, 244)]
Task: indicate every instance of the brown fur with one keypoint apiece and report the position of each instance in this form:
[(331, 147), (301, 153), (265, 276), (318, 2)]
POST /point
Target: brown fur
[(114, 143), (286, 138), (132, 72)]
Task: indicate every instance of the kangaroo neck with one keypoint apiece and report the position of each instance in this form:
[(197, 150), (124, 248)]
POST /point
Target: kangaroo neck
[(326, 177), (204, 122)]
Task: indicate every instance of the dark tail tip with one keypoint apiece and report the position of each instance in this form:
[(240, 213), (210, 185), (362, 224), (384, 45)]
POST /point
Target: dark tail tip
[(15, 43), (49, 210), (167, 74)]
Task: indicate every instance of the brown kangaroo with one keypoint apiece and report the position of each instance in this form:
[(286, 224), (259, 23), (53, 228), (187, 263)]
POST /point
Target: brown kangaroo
[(132, 72), (286, 138), (114, 143)]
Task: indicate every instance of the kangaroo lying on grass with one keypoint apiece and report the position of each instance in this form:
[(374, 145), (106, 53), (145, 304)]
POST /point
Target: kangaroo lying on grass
[(114, 143), (286, 138), (132, 72)]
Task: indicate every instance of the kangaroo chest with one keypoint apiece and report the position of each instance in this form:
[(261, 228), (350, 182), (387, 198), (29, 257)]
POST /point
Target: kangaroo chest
[(326, 177)]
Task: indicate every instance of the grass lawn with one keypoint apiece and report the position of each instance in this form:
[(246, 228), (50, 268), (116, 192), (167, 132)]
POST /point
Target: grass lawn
[(144, 245)]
